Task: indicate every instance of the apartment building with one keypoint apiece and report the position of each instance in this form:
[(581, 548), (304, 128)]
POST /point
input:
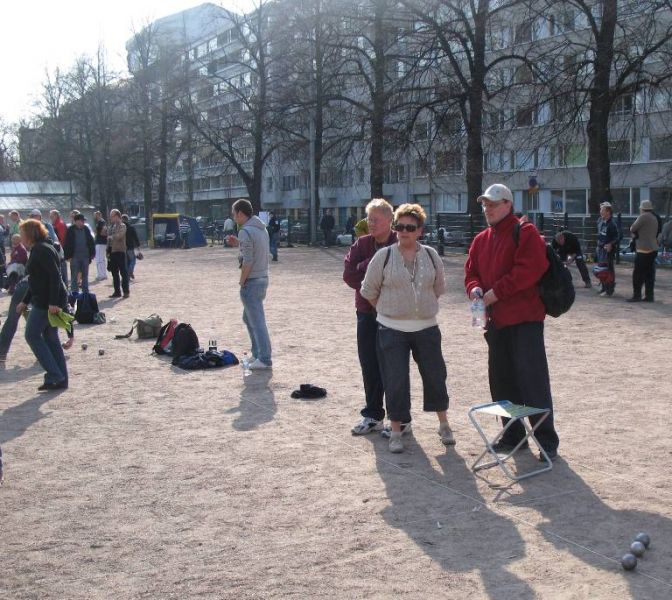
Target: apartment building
[(529, 142)]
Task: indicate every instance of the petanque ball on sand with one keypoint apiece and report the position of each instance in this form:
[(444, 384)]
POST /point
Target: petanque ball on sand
[(629, 561), (84, 346), (637, 548), (644, 538), (101, 352)]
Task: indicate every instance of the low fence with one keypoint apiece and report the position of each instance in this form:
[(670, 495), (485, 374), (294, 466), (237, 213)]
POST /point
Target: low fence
[(459, 229)]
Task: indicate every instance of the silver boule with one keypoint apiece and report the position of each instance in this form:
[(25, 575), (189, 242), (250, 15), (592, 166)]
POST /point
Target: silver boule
[(645, 538), (629, 561), (637, 548)]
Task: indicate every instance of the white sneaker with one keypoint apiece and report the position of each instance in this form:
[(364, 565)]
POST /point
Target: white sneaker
[(257, 365), (396, 444), (446, 434), (367, 425)]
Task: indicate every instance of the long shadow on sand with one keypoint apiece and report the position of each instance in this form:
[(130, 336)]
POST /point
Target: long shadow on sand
[(257, 402), (451, 527), (16, 420), (585, 525)]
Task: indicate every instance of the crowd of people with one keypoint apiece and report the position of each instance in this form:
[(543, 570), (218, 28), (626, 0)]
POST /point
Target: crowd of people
[(397, 281), (37, 277)]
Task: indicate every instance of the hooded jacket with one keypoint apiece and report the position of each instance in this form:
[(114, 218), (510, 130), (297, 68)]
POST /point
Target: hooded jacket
[(254, 247)]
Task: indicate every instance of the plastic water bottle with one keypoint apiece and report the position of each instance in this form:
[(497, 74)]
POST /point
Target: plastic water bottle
[(245, 363), (478, 317)]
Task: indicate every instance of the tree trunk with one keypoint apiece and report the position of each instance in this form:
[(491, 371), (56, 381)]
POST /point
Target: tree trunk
[(378, 104), (601, 99), (163, 157), (474, 120)]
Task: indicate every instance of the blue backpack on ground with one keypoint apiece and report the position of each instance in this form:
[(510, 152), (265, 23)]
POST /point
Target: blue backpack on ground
[(211, 359), (87, 307)]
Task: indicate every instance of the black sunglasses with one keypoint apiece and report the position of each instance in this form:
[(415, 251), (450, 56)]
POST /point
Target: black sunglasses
[(401, 227)]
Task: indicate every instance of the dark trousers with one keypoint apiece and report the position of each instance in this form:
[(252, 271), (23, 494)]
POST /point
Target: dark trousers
[(518, 371), (581, 266), (394, 348), (12, 321), (367, 349), (644, 274), (118, 268)]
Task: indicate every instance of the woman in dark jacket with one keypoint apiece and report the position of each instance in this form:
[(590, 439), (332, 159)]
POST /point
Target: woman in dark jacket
[(47, 294)]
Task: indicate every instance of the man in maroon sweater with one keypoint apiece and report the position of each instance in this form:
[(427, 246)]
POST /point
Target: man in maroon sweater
[(505, 273), (379, 218)]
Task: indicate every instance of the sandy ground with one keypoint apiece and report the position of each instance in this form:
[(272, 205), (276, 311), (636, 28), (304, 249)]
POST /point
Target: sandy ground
[(144, 481)]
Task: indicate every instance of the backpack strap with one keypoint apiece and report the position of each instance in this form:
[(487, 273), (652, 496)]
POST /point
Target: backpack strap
[(431, 257), (387, 256), (129, 334), (516, 233)]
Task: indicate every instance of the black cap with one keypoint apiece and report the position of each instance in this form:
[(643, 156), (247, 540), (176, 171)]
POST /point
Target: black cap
[(80, 217)]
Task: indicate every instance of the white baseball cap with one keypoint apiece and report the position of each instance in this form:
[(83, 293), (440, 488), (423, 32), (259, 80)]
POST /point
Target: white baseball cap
[(497, 192)]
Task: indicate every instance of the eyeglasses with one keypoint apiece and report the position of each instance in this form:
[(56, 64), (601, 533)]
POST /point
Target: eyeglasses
[(401, 227)]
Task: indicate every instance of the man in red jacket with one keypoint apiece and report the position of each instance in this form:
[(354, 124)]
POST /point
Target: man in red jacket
[(505, 271), (379, 219)]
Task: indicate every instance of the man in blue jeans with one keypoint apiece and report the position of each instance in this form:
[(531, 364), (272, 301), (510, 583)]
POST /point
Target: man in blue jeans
[(253, 261), (11, 322)]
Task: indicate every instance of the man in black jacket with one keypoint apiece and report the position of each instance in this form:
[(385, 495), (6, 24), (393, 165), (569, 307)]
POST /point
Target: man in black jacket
[(132, 244), (327, 226), (80, 250), (568, 248)]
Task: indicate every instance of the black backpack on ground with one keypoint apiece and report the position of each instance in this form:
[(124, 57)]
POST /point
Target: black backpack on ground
[(185, 342), (555, 286), (87, 307)]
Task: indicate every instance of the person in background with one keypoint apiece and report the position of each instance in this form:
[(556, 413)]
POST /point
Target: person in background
[(37, 215), (607, 246), (80, 250), (46, 294), (403, 283), (116, 239), (568, 248), (59, 225), (645, 231), (14, 222), (273, 234), (16, 268), (132, 244), (327, 224), (101, 246), (5, 238), (379, 215), (185, 231)]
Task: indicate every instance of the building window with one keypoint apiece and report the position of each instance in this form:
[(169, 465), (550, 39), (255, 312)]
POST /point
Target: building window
[(575, 202), (660, 148), (449, 163), (623, 106), (269, 184), (524, 32), (619, 151), (421, 167), (530, 201), (525, 116), (394, 173), (661, 199)]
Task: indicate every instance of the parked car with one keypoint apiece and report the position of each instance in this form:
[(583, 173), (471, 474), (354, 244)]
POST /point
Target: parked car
[(344, 239)]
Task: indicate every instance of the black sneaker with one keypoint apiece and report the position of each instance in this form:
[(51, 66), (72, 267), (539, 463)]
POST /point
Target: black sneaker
[(502, 447), (552, 454)]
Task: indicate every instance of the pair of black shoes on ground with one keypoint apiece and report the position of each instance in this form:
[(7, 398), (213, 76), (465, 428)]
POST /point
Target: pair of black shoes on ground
[(309, 392), (115, 295)]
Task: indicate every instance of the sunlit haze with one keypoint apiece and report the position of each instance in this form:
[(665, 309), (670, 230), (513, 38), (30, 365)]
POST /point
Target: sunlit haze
[(41, 35)]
